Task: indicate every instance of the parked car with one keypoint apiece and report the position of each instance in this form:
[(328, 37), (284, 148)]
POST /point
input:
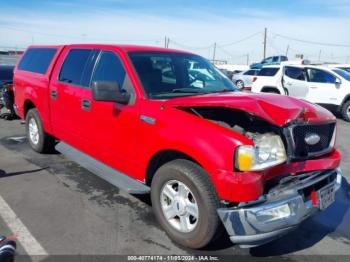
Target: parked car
[(345, 67), (6, 91), (244, 79), (208, 154), (272, 60), (323, 85)]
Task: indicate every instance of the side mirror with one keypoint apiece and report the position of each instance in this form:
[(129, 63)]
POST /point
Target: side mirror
[(109, 91), (337, 81)]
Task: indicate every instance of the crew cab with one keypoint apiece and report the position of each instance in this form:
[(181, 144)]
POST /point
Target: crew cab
[(324, 85), (143, 120)]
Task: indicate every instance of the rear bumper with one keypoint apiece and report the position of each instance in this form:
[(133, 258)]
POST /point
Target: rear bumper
[(248, 226)]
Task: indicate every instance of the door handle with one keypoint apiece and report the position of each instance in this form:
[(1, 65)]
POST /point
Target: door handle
[(53, 94), (85, 104), (313, 87)]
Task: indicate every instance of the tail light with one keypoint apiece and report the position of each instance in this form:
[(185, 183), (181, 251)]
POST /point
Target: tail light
[(254, 78)]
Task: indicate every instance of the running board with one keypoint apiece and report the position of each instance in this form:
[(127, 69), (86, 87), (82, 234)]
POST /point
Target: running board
[(103, 171)]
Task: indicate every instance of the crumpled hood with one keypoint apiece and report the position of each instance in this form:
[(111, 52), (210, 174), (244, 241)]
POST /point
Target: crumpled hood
[(276, 109)]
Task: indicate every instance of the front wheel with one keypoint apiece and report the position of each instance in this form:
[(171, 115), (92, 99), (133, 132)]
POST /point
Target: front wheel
[(185, 202), (345, 111)]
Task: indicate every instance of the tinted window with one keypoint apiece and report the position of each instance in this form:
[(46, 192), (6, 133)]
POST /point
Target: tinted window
[(109, 68), (320, 76), (284, 58), (6, 73), (267, 60), (37, 60), (268, 71), (77, 67), (295, 73), (345, 68), (249, 73), (343, 73), (275, 59)]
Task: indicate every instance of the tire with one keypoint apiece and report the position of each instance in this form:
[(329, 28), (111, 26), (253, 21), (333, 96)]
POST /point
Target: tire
[(38, 139), (345, 111), (240, 84), (207, 226)]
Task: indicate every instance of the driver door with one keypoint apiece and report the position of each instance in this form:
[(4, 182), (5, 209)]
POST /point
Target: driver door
[(322, 87)]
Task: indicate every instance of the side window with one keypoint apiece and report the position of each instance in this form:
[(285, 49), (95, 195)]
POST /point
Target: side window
[(320, 76), (250, 72), (267, 60), (295, 73), (109, 68), (275, 59), (37, 60), (77, 67)]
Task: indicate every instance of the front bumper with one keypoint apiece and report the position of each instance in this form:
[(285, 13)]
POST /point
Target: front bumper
[(247, 228)]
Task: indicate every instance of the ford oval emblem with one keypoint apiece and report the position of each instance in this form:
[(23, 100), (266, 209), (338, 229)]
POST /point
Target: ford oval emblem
[(312, 139)]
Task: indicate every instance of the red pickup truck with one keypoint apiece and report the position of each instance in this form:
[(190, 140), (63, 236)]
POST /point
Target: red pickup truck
[(164, 121)]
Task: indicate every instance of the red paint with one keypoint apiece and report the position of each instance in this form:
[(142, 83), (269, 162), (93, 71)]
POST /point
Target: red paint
[(114, 134)]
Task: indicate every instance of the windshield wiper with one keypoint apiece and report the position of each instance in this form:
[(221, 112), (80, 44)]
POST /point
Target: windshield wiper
[(188, 90)]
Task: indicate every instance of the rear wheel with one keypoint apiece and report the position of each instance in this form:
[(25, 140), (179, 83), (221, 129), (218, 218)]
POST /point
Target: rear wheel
[(240, 84), (185, 203), (38, 139), (346, 111)]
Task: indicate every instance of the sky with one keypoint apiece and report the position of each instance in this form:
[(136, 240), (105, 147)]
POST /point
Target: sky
[(315, 28)]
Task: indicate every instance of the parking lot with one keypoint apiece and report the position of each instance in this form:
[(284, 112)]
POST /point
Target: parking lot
[(67, 210)]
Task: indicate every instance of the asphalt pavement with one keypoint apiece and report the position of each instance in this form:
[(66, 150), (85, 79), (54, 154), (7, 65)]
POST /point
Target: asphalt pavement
[(69, 211)]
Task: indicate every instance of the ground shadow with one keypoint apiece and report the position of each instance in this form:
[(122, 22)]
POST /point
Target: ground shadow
[(310, 232), (4, 174)]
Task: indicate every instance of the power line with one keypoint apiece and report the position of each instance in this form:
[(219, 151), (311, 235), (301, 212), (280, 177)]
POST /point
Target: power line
[(311, 42), (189, 47), (241, 40), (76, 37)]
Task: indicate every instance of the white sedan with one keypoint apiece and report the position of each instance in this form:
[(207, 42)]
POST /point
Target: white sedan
[(244, 80)]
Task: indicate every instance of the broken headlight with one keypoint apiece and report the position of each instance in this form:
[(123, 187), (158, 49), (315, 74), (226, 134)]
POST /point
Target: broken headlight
[(268, 151)]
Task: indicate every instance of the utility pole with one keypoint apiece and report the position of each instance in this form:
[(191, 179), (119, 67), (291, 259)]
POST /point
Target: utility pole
[(167, 45), (265, 35), (319, 55), (247, 59), (287, 50), (214, 52), (165, 41)]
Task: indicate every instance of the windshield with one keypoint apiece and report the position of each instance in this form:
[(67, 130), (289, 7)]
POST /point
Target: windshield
[(165, 75), (343, 73)]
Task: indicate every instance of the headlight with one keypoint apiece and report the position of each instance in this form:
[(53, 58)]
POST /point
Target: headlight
[(268, 151)]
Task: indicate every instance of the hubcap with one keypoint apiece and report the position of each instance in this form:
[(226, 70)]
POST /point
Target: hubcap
[(33, 131), (239, 84), (179, 206), (348, 111)]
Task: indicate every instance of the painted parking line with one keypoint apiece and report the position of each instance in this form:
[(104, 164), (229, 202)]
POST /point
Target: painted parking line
[(27, 240)]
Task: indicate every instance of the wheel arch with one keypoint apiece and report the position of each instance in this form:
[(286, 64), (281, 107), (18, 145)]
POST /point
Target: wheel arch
[(268, 89), (162, 157), (28, 104)]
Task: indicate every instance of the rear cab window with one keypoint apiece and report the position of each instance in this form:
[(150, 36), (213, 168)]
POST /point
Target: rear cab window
[(37, 60), (268, 71)]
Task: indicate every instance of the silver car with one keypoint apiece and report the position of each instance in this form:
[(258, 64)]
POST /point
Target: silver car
[(245, 79)]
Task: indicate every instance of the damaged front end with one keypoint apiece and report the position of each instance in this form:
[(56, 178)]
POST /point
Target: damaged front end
[(293, 191)]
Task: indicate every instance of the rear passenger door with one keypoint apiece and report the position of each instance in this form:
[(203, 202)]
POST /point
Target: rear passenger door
[(294, 81), (70, 96)]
